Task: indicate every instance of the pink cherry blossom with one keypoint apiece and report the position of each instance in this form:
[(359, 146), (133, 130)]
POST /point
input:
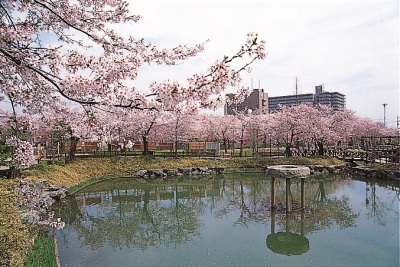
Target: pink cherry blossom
[(68, 51)]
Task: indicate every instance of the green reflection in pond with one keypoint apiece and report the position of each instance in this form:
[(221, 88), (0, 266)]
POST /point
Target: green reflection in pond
[(287, 243)]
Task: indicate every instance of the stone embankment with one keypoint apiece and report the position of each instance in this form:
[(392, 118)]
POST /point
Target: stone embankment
[(324, 170), (384, 174), (357, 170), (191, 171), (208, 171), (311, 169)]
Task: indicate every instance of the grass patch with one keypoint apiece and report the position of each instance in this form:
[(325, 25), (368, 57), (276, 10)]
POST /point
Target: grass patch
[(15, 236), (263, 162), (75, 188), (383, 166), (42, 253)]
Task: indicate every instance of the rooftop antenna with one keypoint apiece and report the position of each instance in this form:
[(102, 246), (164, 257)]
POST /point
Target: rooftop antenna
[(296, 91), (259, 84)]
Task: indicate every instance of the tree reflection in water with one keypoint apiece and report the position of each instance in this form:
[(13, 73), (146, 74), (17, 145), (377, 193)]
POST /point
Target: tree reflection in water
[(123, 214), (380, 210)]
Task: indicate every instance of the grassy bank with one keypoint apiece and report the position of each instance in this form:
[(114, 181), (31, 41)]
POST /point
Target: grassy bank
[(42, 252), (16, 237)]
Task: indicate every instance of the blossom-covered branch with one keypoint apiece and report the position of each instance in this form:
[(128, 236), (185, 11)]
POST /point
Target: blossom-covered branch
[(67, 50)]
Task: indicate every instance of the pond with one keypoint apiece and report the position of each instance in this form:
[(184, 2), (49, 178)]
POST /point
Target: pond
[(227, 221)]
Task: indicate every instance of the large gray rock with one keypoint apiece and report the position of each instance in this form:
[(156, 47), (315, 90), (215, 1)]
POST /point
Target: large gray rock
[(185, 171), (46, 200), (31, 216), (170, 172), (156, 173), (218, 170), (141, 173), (288, 171), (57, 193)]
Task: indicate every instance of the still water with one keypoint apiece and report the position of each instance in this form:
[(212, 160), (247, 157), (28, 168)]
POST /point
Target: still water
[(228, 221)]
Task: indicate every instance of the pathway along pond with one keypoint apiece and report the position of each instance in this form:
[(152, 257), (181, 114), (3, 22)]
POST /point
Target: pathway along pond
[(227, 221)]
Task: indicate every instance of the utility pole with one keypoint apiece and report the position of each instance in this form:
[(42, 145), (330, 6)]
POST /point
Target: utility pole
[(384, 114), (297, 99)]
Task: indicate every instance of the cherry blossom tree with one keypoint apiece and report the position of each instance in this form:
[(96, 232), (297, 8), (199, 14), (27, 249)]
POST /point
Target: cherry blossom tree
[(330, 127), (290, 122), (145, 122), (15, 149), (368, 127), (265, 131), (73, 123), (315, 125), (54, 53), (68, 51), (241, 124), (196, 128), (223, 126), (180, 125), (363, 127)]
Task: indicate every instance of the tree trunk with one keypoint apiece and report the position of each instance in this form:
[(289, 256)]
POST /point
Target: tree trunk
[(288, 152), (241, 147), (12, 173), (145, 142), (241, 143), (145, 146), (176, 148), (265, 141), (176, 137), (320, 148), (225, 145), (72, 150)]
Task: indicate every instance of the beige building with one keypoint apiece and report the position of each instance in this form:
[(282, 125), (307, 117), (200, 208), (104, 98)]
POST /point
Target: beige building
[(257, 101)]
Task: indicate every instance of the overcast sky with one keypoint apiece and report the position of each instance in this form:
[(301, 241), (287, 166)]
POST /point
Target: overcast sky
[(350, 46)]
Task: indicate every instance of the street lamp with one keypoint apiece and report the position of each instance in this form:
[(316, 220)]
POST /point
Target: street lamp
[(270, 145), (384, 114), (249, 113)]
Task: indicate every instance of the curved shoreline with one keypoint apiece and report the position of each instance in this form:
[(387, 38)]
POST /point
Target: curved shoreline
[(315, 170), (51, 194)]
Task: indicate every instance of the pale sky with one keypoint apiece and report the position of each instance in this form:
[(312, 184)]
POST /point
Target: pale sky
[(350, 46)]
